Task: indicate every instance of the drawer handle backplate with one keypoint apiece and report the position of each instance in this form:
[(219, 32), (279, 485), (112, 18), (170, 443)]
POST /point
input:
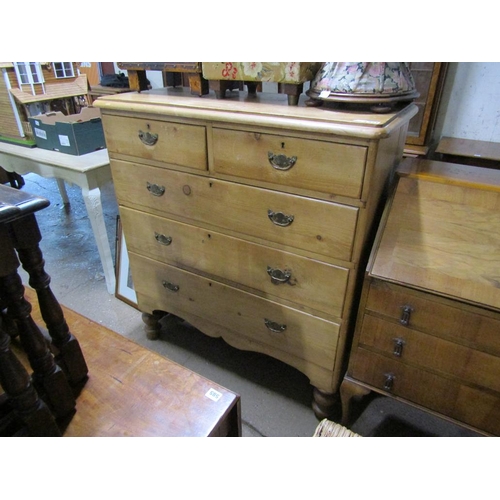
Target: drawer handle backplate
[(278, 276), (281, 162), (148, 138), (274, 327), (162, 239), (170, 286), (279, 218), (155, 190)]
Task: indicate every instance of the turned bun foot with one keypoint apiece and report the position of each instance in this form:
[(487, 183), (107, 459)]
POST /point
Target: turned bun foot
[(324, 403)]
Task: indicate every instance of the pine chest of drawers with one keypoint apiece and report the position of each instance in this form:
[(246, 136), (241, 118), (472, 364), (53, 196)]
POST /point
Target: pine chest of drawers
[(250, 219), (428, 329)]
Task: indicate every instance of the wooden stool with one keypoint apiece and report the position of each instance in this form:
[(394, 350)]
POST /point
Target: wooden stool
[(54, 376), (172, 75)]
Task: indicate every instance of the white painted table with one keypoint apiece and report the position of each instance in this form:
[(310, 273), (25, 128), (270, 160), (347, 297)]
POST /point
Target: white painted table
[(89, 172)]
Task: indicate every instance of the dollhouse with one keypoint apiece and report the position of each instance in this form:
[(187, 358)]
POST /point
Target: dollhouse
[(32, 88)]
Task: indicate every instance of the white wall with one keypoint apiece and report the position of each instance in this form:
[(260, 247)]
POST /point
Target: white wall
[(470, 105)]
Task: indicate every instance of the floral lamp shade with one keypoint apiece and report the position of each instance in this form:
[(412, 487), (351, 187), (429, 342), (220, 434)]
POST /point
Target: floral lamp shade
[(375, 83)]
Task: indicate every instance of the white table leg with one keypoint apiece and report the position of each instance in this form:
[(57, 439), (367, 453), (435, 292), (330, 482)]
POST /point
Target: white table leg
[(92, 200), (62, 190)]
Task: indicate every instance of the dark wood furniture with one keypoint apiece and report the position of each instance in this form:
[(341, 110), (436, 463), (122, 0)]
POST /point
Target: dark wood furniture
[(58, 368), (428, 324), (173, 73), (133, 391), (469, 152)]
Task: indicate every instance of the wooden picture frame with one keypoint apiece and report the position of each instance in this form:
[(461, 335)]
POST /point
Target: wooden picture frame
[(124, 286)]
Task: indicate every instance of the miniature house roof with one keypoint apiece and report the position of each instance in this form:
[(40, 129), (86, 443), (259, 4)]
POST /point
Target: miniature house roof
[(54, 91)]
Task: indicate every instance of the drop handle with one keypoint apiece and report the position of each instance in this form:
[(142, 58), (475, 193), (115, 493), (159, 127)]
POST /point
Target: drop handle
[(406, 311), (155, 189), (280, 161), (389, 382), (278, 276), (398, 347), (274, 327), (148, 138), (279, 218)]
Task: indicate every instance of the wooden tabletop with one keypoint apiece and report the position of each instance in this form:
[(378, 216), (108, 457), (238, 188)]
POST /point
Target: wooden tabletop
[(132, 391), (469, 148), (15, 203), (441, 232), (10, 154)]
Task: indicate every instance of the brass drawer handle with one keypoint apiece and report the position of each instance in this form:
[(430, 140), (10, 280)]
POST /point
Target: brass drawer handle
[(281, 162), (405, 315), (389, 381), (155, 190), (170, 286), (279, 218), (162, 239), (148, 138), (274, 327), (278, 276), (398, 347)]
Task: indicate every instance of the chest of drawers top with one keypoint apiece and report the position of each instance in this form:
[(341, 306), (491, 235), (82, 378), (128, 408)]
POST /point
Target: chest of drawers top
[(442, 234), (265, 109)]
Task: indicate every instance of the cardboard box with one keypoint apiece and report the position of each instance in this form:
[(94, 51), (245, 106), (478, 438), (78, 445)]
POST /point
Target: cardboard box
[(77, 134)]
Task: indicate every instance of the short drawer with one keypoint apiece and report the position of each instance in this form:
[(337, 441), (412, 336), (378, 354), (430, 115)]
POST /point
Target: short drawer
[(446, 396), (430, 353), (279, 275), (440, 317), (282, 329), (326, 167), (168, 142), (292, 222)]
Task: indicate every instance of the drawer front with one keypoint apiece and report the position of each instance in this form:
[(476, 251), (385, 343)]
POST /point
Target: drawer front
[(168, 142), (436, 393), (325, 167), (278, 327), (293, 222), (277, 274), (443, 319), (431, 353)]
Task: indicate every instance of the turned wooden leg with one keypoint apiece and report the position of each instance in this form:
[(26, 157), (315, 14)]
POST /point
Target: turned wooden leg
[(48, 377), (152, 325), (21, 395), (26, 236), (348, 391), (324, 403)]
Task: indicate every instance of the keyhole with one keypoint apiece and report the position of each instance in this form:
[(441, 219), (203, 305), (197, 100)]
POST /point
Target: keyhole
[(282, 145)]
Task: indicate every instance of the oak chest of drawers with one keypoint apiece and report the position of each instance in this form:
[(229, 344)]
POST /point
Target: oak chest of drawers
[(428, 329), (250, 219)]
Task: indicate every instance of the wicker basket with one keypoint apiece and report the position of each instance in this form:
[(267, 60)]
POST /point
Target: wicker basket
[(327, 428)]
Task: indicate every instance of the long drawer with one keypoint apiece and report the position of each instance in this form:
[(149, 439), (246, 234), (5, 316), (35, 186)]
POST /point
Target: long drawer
[(161, 141), (326, 167), (280, 328), (442, 318), (431, 353), (276, 274), (446, 396), (293, 222)]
